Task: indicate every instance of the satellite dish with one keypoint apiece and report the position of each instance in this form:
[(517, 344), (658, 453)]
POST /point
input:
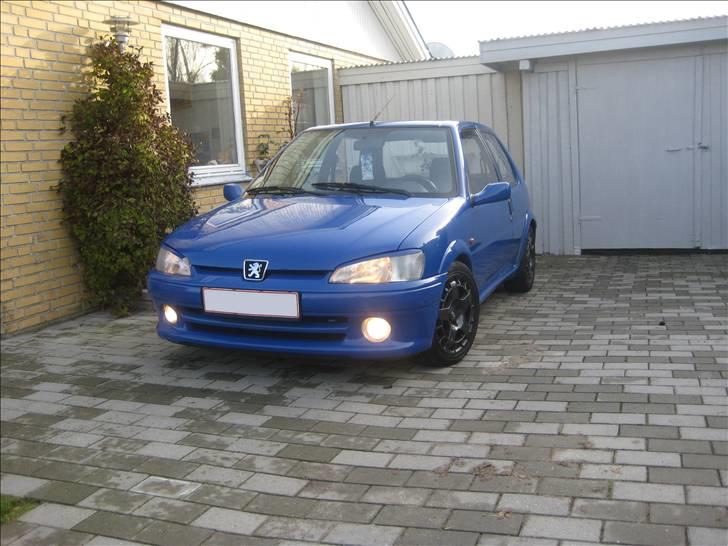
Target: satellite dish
[(439, 50)]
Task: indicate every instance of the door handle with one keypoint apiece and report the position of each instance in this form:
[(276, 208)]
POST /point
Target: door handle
[(510, 208), (702, 146), (673, 149)]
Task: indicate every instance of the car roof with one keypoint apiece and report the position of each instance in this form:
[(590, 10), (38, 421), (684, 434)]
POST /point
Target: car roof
[(458, 125)]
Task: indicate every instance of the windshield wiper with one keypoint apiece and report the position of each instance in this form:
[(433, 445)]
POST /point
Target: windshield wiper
[(281, 190), (358, 188)]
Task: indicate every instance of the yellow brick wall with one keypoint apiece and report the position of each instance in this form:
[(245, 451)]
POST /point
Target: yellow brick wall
[(43, 46)]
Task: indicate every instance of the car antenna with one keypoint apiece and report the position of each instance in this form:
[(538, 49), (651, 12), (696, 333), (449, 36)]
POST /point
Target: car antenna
[(371, 123)]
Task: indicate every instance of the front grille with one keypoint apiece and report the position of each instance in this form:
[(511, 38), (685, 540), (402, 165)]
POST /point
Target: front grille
[(290, 274), (321, 328)]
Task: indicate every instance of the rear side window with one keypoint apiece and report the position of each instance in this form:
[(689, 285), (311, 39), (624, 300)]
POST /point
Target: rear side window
[(478, 162), (504, 166)]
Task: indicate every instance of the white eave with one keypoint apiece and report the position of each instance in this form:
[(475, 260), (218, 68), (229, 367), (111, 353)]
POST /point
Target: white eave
[(507, 52), (401, 28), (412, 70)]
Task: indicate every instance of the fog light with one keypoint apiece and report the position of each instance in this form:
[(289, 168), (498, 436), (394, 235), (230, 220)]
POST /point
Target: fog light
[(376, 329), (170, 314)]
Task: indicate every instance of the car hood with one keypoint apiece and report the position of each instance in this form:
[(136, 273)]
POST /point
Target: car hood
[(300, 232)]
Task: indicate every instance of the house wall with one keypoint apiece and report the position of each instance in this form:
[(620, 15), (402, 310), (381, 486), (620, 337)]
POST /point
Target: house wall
[(43, 47)]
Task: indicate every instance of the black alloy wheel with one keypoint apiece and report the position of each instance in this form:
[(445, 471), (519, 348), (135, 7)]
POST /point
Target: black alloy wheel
[(457, 319)]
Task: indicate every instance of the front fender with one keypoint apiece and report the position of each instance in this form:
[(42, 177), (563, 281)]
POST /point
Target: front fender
[(457, 249), (524, 235)]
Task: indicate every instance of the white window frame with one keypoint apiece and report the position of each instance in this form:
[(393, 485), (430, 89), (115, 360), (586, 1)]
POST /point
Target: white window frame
[(208, 175), (295, 56)]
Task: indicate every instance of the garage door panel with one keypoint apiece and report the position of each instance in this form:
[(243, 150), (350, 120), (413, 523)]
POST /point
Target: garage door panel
[(636, 160)]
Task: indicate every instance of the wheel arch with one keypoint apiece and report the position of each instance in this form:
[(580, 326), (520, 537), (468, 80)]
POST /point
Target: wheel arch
[(457, 252)]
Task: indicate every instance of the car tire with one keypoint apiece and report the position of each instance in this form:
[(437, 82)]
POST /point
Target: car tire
[(522, 279), (457, 321)]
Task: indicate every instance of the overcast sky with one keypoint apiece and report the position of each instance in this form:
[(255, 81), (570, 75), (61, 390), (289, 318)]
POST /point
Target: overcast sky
[(460, 25)]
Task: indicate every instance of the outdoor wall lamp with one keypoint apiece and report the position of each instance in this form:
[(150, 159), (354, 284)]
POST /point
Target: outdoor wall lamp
[(121, 28)]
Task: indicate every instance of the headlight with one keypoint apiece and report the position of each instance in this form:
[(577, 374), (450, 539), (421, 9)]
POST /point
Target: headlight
[(168, 262), (405, 267)]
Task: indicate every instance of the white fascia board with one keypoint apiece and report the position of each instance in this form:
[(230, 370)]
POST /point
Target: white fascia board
[(435, 68), (499, 52), (401, 28)]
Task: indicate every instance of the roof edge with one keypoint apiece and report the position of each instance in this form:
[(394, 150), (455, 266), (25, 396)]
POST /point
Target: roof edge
[(496, 53), (399, 24)]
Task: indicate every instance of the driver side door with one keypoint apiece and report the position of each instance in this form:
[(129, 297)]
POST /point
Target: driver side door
[(489, 226)]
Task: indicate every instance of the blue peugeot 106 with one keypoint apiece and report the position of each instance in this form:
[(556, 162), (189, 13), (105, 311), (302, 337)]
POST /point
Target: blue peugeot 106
[(363, 240)]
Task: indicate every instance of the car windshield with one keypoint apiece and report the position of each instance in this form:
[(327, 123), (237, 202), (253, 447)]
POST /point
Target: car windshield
[(392, 161)]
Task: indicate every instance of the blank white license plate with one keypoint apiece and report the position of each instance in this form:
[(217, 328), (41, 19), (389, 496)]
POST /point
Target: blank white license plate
[(252, 303)]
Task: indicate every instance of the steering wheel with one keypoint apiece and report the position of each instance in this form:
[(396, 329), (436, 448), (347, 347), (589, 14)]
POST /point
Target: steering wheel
[(423, 181)]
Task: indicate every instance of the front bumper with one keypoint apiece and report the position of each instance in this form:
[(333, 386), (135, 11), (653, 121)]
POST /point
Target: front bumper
[(331, 315)]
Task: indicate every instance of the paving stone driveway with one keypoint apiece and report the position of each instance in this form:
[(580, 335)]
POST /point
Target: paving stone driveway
[(592, 409)]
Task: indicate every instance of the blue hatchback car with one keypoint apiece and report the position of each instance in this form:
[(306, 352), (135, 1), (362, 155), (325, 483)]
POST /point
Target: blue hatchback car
[(373, 240)]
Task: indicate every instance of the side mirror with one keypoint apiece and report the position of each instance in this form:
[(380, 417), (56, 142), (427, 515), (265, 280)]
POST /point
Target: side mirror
[(492, 193), (232, 192)]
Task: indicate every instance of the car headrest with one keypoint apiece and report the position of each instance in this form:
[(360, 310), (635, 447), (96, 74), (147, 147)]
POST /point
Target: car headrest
[(441, 173), (355, 174)]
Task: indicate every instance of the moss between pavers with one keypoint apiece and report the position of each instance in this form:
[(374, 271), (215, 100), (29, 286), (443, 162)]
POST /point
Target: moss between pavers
[(11, 508)]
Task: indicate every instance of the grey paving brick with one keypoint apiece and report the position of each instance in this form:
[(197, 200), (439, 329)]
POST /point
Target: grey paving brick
[(163, 533), (712, 496), (113, 500), (702, 516), (440, 480), (685, 476), (56, 515), (643, 533), (166, 467), (704, 461), (649, 492), (278, 485), (495, 540), (170, 510), (432, 537), (534, 504), (379, 476), (363, 535), (609, 509), (648, 458), (563, 528), (230, 521), (112, 525), (116, 479), (217, 475), (19, 486), (575, 488), (333, 491), (276, 505), (50, 536), (467, 500), (224, 497), (344, 511), (412, 516), (165, 487), (703, 536), (467, 520), (62, 492), (396, 495)]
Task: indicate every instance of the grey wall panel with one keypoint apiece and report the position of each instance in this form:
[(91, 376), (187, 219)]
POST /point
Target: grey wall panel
[(712, 164), (478, 95), (547, 142)]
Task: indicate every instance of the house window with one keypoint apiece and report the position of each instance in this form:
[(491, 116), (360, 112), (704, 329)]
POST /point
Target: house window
[(204, 101), (312, 91)]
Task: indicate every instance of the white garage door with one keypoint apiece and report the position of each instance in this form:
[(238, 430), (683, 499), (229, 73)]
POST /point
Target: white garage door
[(637, 148)]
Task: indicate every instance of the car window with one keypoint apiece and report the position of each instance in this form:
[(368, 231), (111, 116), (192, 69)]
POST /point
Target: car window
[(501, 160), (478, 162), (418, 160)]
